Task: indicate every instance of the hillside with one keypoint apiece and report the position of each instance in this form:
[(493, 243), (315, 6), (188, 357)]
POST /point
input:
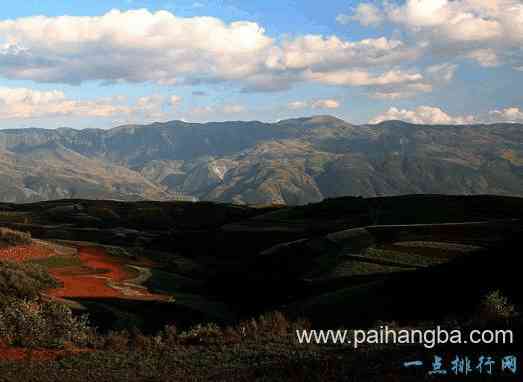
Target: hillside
[(294, 162), (215, 291)]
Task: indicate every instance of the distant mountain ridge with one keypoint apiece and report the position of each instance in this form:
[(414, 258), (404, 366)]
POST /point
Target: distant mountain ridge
[(294, 161)]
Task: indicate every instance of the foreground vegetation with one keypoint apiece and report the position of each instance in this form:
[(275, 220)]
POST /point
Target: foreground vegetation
[(263, 349), (224, 264), (10, 237)]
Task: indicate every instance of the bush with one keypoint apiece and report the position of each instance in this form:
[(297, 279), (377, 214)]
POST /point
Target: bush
[(201, 334), (12, 237), (269, 326), (23, 280), (35, 323), (496, 307), (118, 341)]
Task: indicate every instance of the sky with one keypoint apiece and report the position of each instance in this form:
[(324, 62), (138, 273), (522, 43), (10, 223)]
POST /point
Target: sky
[(99, 64)]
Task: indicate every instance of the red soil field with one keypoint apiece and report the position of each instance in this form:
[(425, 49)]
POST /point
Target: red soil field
[(100, 276), (22, 253), (20, 354)]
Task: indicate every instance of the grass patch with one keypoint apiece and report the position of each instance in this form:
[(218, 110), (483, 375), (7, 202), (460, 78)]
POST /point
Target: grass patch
[(402, 257), (15, 217), (357, 268), (58, 262), (172, 282), (183, 288)]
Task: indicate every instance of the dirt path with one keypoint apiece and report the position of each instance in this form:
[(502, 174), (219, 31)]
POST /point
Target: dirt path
[(99, 276)]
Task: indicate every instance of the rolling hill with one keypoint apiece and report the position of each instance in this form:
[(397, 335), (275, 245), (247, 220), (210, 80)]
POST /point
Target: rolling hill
[(294, 161)]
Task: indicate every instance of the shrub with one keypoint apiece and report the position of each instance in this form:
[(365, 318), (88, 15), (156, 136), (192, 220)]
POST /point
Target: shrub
[(201, 334), (23, 280), (273, 324), (117, 341), (36, 323), (12, 237), (170, 335), (267, 327), (496, 307)]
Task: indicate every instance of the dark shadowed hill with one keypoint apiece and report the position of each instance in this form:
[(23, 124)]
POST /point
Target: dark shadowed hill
[(293, 161)]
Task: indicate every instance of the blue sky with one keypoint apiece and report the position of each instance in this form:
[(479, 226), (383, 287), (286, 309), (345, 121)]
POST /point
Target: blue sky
[(101, 64)]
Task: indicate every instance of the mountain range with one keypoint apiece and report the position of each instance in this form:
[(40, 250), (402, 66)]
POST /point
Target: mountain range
[(294, 161)]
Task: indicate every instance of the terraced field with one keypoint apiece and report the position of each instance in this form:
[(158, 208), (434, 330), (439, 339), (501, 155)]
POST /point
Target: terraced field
[(99, 276)]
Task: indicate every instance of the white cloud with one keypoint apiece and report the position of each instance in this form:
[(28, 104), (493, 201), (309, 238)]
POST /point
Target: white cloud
[(150, 106), (326, 104), (458, 20), (175, 101), (487, 31), (422, 115), (344, 19), (23, 103), (217, 110), (233, 109), (296, 105), (366, 14), (134, 46), (433, 115), (159, 47), (511, 114), (441, 73), (140, 46), (485, 57), (316, 52), (402, 92), (363, 78)]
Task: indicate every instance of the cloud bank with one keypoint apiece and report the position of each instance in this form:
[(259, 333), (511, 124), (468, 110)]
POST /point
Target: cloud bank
[(428, 115), (24, 103)]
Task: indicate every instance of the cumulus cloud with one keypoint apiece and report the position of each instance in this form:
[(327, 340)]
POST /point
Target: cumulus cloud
[(24, 103), (426, 115), (160, 47), (134, 46), (365, 13), (511, 114), (326, 104), (487, 31), (401, 92), (433, 76), (314, 104), (150, 106), (320, 53), (139, 46), (484, 57), (363, 78)]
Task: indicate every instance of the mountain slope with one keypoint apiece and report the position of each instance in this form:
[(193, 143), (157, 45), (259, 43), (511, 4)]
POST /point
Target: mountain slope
[(294, 161)]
